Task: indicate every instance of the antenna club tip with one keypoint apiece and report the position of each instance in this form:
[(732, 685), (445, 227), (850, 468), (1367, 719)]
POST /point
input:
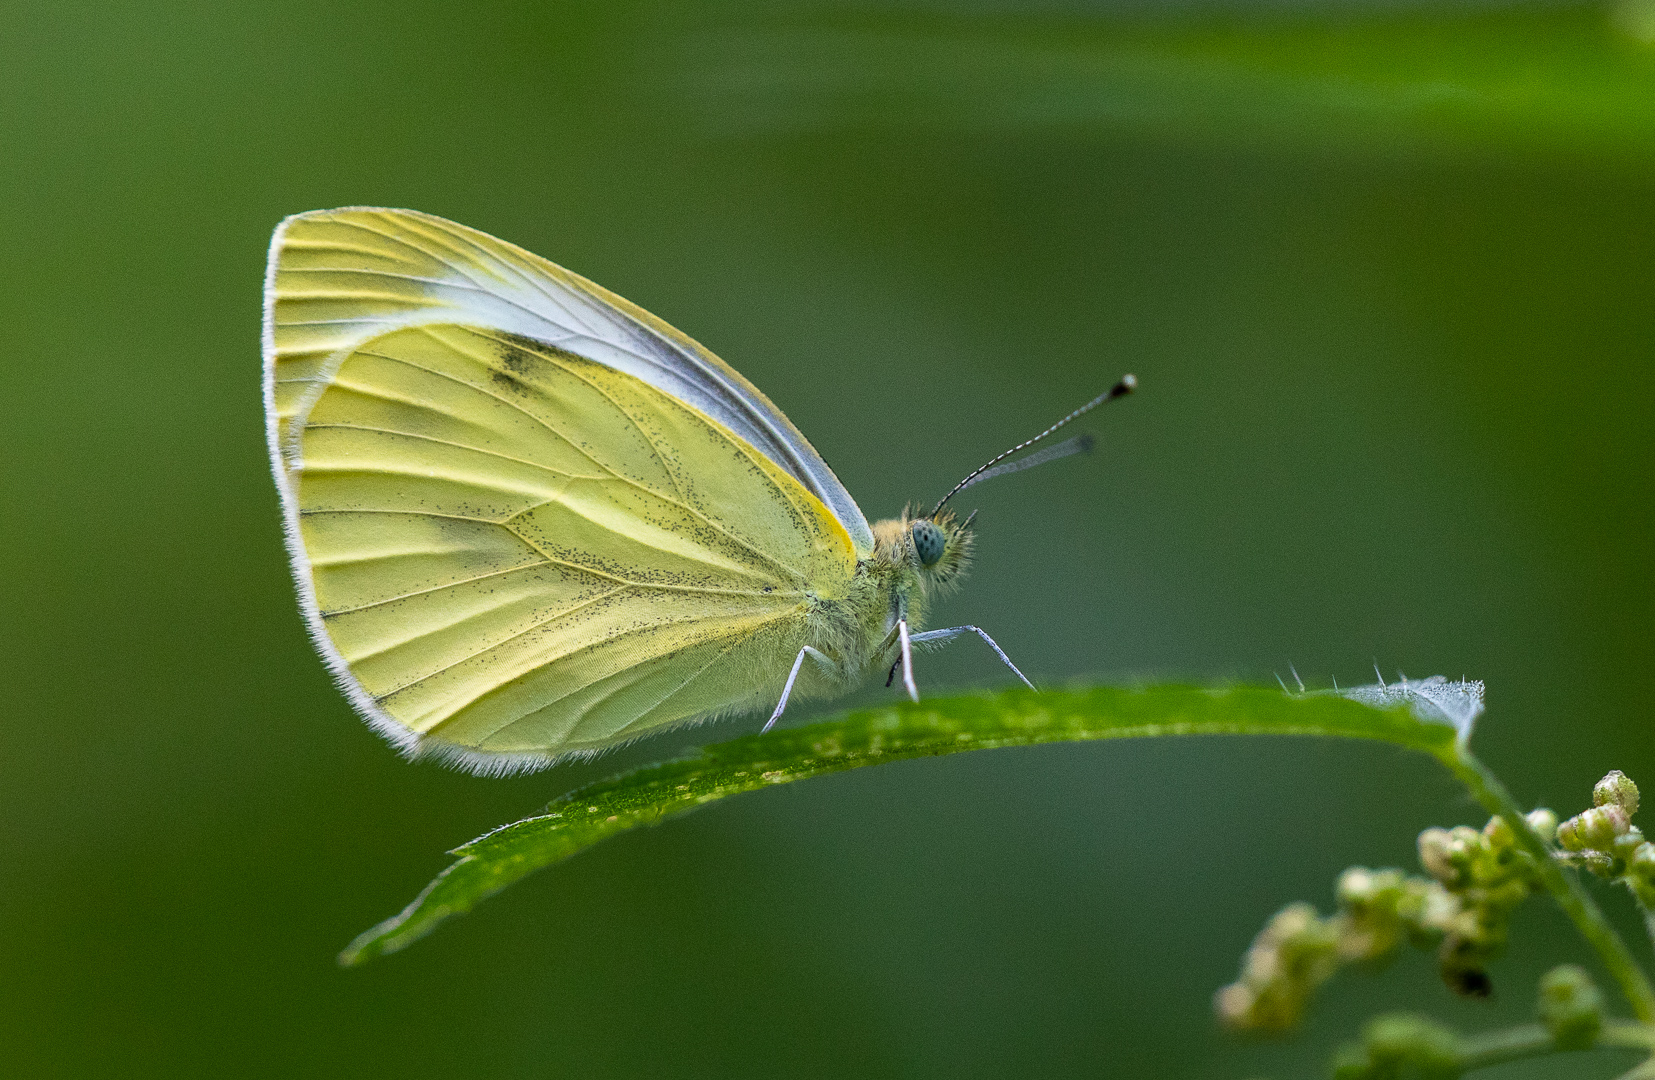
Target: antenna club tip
[(1127, 384)]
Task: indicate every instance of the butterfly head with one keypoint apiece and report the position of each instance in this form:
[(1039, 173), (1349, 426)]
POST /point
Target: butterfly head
[(934, 549)]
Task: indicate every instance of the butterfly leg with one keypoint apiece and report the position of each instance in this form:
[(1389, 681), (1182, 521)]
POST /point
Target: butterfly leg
[(956, 631), (821, 657), (907, 659)]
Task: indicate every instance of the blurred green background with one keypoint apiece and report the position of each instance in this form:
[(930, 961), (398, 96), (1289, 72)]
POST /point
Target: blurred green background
[(1384, 273)]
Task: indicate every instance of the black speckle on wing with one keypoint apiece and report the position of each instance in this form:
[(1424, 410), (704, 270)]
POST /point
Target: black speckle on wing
[(518, 359), (526, 356), (509, 382)]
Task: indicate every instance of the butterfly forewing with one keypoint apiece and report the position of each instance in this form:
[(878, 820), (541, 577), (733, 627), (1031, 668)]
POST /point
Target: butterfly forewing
[(340, 277)]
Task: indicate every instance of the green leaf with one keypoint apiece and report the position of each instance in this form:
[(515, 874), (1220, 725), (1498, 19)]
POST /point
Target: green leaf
[(654, 793)]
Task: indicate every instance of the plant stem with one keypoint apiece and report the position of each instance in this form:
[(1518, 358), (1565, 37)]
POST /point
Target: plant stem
[(1643, 909), (1512, 1044), (1532, 1040), (1627, 1034), (1566, 889)]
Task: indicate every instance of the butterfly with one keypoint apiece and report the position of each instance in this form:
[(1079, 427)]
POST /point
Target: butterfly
[(530, 521)]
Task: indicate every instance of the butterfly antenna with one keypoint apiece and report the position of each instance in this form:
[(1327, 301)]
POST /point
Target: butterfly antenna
[(1127, 384), (1080, 444)]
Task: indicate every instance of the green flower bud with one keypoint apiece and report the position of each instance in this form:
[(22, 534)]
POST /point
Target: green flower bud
[(1507, 894), (1640, 865), (1616, 789), (1627, 843), (1371, 922), (1426, 908), (1436, 855), (1234, 1006), (1569, 837), (1498, 834), (1640, 873), (1289, 924), (1594, 829), (1571, 1007), (1356, 887), (1544, 822), (1403, 1045), (1306, 945), (1362, 889)]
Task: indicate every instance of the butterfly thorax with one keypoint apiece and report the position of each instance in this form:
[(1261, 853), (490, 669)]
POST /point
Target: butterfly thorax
[(913, 560)]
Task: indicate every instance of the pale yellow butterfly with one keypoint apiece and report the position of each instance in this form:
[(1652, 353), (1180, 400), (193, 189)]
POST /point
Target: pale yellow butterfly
[(529, 520)]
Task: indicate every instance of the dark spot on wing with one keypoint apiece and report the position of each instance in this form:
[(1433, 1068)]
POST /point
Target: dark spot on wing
[(517, 359), (523, 355), (510, 382)]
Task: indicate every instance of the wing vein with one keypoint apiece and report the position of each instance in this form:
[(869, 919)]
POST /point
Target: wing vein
[(353, 294), (654, 447), (401, 242), (490, 648), (577, 324), (330, 245), (586, 709), (420, 513), (331, 322), (658, 585), (474, 283), (445, 442), (381, 470), (533, 280), (687, 508), (577, 650), (422, 592), (440, 282)]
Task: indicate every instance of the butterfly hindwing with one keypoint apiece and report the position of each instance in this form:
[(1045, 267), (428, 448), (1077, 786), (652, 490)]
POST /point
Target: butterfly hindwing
[(515, 552)]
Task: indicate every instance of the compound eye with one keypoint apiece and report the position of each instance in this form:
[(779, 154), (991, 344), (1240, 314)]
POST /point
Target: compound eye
[(928, 542)]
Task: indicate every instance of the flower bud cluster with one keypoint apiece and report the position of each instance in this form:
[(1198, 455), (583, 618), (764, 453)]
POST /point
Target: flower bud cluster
[(1604, 840), (1476, 878), (1378, 909), (1299, 949), (1485, 875), (1296, 952)]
